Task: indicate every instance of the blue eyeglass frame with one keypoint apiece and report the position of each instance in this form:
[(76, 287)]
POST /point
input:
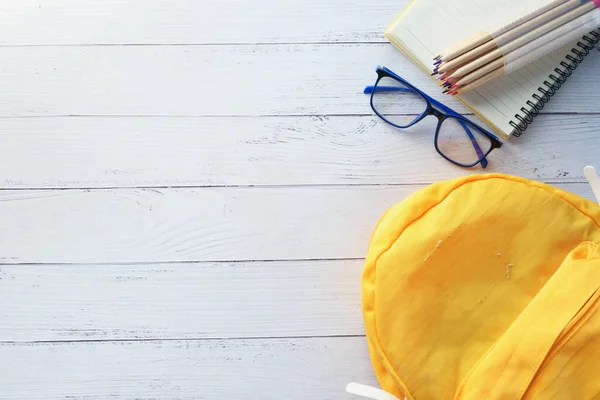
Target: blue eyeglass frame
[(438, 110)]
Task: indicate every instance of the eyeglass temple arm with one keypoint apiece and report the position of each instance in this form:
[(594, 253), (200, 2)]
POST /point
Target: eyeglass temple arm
[(484, 163)]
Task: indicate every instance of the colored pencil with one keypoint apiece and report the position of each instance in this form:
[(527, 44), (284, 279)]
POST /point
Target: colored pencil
[(528, 53), (481, 38), (508, 36), (523, 40)]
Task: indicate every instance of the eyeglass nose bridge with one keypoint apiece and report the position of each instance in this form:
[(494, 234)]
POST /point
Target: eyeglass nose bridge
[(437, 114)]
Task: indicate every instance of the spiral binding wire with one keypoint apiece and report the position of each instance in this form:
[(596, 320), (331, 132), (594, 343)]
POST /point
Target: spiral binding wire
[(554, 82)]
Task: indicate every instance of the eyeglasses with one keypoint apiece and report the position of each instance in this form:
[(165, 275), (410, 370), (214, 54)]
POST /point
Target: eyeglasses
[(457, 139)]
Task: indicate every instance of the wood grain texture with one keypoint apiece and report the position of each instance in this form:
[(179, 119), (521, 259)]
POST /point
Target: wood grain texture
[(68, 22), (210, 224), (291, 369), (222, 80), (94, 152), (190, 301)]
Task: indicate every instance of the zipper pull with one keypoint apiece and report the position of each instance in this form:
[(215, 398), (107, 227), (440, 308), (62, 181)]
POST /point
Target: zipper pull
[(369, 392), (593, 180)]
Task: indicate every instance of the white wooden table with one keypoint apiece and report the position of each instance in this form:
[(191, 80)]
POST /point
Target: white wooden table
[(188, 188)]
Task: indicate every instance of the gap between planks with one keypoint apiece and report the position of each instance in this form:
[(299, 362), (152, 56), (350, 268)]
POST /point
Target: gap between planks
[(192, 339), (241, 116), (239, 44), (261, 186)]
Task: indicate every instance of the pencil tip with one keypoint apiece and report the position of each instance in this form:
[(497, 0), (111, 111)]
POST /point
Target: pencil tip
[(445, 91)]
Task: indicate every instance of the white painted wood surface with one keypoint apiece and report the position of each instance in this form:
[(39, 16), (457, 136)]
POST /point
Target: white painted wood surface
[(73, 22), (184, 301), (266, 151), (187, 189), (266, 369), (209, 224), (222, 80)]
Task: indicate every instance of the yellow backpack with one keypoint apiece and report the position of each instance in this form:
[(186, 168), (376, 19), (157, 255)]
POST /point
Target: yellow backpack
[(485, 287)]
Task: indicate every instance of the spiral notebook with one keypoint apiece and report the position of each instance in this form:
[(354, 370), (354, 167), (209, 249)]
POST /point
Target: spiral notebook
[(509, 103)]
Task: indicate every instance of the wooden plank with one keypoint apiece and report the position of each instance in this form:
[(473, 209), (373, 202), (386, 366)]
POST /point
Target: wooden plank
[(210, 224), (68, 22), (132, 152), (291, 369), (221, 80), (184, 301)]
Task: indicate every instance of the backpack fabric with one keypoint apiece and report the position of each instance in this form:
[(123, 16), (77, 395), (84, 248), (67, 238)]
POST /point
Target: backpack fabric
[(485, 287)]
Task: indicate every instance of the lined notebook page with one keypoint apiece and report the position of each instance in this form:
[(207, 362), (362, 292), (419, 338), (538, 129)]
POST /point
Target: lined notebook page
[(430, 26)]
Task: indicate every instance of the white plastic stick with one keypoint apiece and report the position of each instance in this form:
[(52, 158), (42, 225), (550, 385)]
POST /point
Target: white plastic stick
[(594, 181), (369, 392)]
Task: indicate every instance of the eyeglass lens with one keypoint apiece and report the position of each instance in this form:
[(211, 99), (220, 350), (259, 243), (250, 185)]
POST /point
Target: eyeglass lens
[(456, 139), (396, 103)]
